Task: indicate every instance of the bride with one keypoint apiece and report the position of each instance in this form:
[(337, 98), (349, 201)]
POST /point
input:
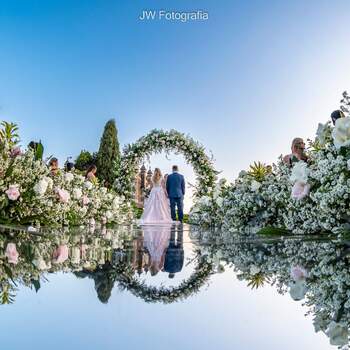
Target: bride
[(157, 207)]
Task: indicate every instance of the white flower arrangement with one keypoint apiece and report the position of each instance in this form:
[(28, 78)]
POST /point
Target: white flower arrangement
[(30, 195), (311, 197)]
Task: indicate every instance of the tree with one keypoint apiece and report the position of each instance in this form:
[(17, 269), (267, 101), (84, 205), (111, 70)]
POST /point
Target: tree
[(84, 160), (108, 156)]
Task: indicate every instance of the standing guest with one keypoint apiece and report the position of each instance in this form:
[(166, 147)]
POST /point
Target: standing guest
[(91, 174), (337, 115), (298, 152), (53, 165), (69, 167)]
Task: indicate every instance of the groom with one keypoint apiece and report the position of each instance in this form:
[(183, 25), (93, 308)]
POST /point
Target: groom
[(175, 186)]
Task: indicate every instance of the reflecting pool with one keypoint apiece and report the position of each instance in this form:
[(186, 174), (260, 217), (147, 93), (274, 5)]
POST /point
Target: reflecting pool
[(171, 287)]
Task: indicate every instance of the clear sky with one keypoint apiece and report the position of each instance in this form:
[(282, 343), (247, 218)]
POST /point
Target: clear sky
[(244, 83)]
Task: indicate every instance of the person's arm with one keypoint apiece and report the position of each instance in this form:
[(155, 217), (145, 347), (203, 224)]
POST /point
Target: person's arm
[(167, 185), (183, 185)]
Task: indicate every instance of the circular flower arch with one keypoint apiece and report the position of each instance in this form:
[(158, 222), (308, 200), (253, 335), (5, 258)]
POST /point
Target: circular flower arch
[(157, 141), (166, 295)]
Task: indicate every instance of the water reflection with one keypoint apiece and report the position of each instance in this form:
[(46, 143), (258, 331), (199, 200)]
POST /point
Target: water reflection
[(173, 263)]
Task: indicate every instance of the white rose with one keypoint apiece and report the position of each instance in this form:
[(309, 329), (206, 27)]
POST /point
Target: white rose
[(109, 215), (298, 290), (49, 182), (254, 270), (337, 333), (116, 203), (348, 164), (88, 185), (219, 201), (341, 132), (255, 185), (322, 133), (77, 193), (300, 172), (40, 264), (41, 187), (75, 257), (69, 177)]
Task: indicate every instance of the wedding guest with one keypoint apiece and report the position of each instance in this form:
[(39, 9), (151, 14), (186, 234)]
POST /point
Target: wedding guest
[(298, 152), (53, 165), (337, 115), (91, 173), (69, 167)]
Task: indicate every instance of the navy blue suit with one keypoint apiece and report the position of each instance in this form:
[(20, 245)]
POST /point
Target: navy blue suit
[(175, 186)]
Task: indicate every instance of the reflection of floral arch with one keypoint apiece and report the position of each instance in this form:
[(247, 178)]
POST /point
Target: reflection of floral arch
[(157, 141), (166, 295)]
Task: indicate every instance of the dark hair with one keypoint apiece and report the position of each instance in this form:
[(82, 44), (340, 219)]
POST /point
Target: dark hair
[(336, 115), (53, 160), (175, 168), (69, 166), (91, 168)]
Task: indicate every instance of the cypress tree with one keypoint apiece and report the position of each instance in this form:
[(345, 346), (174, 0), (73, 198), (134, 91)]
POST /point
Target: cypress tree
[(108, 156)]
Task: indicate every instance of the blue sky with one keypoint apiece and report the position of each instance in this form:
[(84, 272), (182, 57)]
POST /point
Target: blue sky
[(244, 83)]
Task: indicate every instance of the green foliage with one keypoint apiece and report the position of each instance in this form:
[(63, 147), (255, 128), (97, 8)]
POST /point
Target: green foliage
[(84, 160), (258, 171), (9, 133), (273, 231), (38, 149), (108, 156), (258, 280)]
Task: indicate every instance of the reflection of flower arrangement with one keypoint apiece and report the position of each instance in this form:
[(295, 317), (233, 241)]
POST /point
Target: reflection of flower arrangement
[(157, 141), (102, 254), (315, 271), (29, 195), (307, 198)]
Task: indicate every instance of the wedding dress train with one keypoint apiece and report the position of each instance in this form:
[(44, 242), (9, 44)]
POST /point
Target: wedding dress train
[(157, 207)]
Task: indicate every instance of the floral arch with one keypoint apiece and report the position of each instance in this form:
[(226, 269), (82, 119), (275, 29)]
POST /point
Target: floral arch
[(166, 295), (157, 141)]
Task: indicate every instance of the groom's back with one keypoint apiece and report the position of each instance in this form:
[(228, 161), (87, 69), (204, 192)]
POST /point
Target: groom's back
[(175, 185)]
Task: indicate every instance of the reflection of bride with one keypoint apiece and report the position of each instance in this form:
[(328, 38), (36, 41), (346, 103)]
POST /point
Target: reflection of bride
[(157, 207), (156, 241)]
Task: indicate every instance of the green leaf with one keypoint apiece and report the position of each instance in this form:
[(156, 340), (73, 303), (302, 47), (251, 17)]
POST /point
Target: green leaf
[(36, 284), (273, 231)]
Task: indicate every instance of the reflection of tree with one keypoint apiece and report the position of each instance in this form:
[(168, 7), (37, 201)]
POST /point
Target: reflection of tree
[(104, 280)]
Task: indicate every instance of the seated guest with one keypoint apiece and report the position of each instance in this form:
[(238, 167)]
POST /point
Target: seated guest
[(91, 174), (53, 165), (298, 152), (337, 115)]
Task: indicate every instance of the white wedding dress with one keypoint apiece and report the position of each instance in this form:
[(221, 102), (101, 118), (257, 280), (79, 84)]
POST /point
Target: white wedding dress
[(157, 207)]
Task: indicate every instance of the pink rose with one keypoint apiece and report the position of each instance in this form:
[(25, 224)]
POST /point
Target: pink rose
[(298, 273), (15, 152), (11, 253), (60, 255), (63, 195), (300, 190), (13, 192), (85, 200)]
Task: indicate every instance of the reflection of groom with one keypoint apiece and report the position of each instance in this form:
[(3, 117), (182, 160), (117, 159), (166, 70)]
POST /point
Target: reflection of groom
[(175, 186), (174, 256)]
